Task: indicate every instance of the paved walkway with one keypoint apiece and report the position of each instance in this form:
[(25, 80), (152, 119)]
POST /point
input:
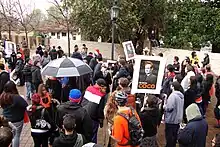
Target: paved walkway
[(27, 141)]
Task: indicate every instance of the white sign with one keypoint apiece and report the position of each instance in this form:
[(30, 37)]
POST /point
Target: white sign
[(129, 50), (9, 48), (148, 74)]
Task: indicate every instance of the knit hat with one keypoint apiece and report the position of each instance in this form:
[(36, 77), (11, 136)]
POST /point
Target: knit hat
[(101, 82), (35, 99), (75, 95)]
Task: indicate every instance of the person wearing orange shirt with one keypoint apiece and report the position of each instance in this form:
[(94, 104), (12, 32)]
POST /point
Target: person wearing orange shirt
[(120, 130)]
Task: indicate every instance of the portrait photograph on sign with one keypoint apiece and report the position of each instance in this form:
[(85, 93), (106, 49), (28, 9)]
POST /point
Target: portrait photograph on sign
[(148, 74), (129, 50)]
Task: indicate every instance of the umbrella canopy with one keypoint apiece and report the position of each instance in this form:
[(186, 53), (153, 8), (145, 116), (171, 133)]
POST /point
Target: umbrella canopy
[(66, 67)]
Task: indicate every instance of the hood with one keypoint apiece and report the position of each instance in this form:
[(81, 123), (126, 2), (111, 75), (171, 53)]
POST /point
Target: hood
[(179, 94), (68, 139), (193, 112), (71, 105)]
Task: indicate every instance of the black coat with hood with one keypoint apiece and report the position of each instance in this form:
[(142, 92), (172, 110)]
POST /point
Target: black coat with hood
[(77, 55), (27, 73), (67, 140), (83, 120), (4, 78), (36, 75)]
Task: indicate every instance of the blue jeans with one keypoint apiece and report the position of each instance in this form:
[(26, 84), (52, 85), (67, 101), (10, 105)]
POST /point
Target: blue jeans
[(16, 139), (29, 89)]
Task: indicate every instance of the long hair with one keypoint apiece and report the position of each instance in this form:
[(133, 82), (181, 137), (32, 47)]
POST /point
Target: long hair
[(40, 88), (6, 97), (35, 102), (193, 82), (111, 108)]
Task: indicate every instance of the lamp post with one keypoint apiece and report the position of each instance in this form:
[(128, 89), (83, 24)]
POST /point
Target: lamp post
[(114, 16)]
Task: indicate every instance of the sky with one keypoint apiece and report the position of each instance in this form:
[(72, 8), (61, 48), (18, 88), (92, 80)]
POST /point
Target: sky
[(39, 4)]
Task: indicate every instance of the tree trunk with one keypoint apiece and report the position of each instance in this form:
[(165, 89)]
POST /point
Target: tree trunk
[(9, 32), (26, 38), (0, 32)]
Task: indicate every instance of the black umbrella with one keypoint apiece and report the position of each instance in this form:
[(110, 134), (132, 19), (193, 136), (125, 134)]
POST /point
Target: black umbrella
[(66, 67)]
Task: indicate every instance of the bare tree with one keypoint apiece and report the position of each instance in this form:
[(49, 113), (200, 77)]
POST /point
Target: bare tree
[(25, 17), (7, 14)]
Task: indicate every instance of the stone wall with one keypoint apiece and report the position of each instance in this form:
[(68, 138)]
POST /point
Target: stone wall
[(105, 48)]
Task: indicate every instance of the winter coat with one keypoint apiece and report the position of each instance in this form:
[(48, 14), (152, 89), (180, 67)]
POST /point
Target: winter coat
[(38, 114), (174, 108), (93, 63), (54, 87), (53, 54), (206, 61), (94, 102), (15, 111), (217, 88), (36, 75), (189, 97), (45, 60), (40, 52), (77, 55), (186, 80), (19, 65), (83, 120), (97, 69), (60, 53), (27, 73), (149, 120), (106, 76), (4, 78), (195, 132), (205, 94), (68, 140), (176, 68), (88, 58), (122, 73)]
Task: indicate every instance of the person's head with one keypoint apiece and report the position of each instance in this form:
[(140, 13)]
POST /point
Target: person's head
[(170, 68), (193, 82), (178, 78), (199, 78), (2, 67), (17, 46), (101, 84), (208, 68), (152, 101), (84, 45), (75, 95), (192, 112), (206, 54), (6, 136), (99, 58), (203, 70), (148, 67), (59, 47), (160, 54), (76, 48), (3, 122), (10, 87), (69, 123), (176, 59), (18, 55), (123, 82), (35, 99), (121, 98), (54, 47), (45, 54), (111, 107), (42, 91), (216, 141), (175, 86), (210, 78), (90, 53), (122, 62), (97, 52), (189, 68), (104, 67), (193, 54)]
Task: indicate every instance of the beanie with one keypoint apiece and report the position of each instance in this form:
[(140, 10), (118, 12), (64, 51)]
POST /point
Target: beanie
[(75, 95), (35, 99)]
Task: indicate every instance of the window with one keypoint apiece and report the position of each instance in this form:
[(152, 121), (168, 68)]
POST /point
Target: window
[(74, 37), (63, 34), (58, 35), (52, 34)]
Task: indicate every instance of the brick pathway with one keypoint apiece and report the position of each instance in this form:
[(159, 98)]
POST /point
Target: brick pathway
[(27, 141)]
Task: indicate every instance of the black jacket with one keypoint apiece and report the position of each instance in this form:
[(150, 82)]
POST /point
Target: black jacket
[(88, 58), (106, 77), (217, 88), (4, 78), (19, 65), (15, 111), (34, 116), (150, 120), (36, 75), (53, 54), (206, 61), (77, 55), (27, 73), (189, 97), (93, 63), (66, 140), (122, 73), (97, 69), (60, 53), (83, 120)]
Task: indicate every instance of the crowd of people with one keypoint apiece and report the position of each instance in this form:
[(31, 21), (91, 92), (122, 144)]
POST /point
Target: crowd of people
[(61, 113)]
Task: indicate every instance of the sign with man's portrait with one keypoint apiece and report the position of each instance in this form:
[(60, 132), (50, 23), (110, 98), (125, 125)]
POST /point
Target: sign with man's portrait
[(129, 50), (148, 74)]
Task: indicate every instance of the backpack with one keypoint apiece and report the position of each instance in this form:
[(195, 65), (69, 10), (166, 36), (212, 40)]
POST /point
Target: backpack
[(79, 141), (134, 127), (41, 123)]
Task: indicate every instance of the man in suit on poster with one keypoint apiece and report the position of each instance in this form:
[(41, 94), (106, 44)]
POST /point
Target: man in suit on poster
[(148, 77)]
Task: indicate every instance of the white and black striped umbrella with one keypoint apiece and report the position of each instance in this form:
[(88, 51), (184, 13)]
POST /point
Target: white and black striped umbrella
[(66, 67)]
